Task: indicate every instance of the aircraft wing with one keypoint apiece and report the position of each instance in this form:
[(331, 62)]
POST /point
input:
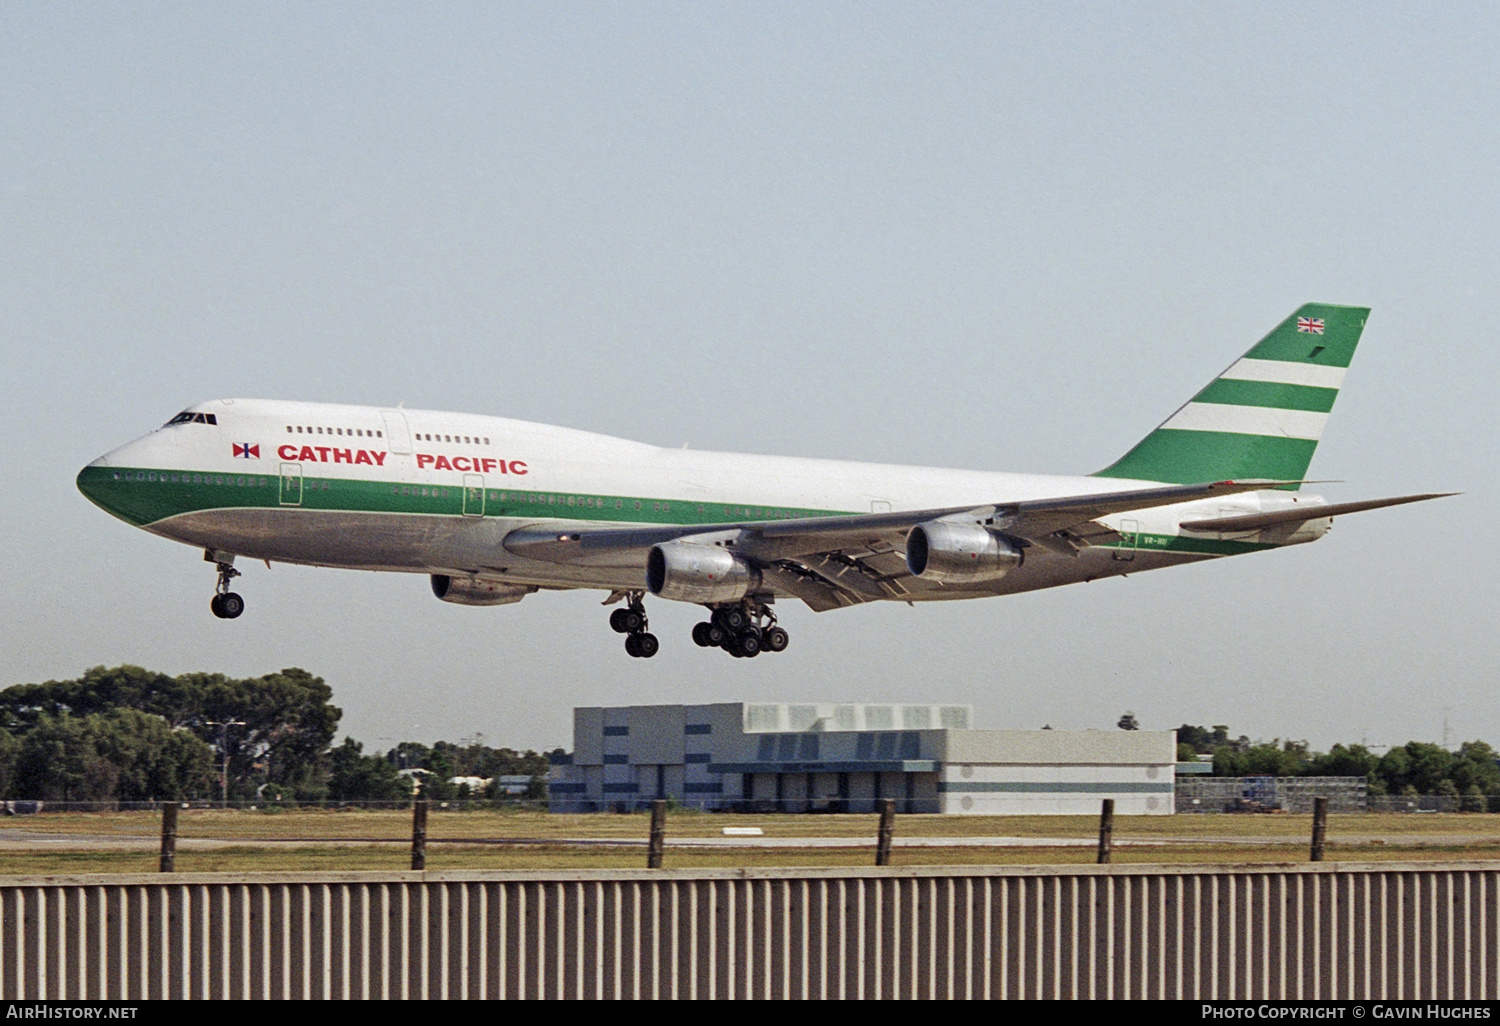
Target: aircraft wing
[(833, 561)]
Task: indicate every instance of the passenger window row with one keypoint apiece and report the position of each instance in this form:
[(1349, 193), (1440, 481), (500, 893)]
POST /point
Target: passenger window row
[(456, 439), (302, 429), (237, 481)]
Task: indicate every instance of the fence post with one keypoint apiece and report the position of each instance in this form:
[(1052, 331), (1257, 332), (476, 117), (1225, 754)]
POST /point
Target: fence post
[(1320, 828), (419, 834), (887, 831), (658, 834), (168, 862), (1106, 831)]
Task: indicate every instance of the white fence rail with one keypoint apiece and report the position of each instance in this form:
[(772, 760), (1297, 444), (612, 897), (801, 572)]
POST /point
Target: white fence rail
[(1331, 930)]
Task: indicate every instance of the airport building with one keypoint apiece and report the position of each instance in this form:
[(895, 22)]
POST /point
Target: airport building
[(812, 757)]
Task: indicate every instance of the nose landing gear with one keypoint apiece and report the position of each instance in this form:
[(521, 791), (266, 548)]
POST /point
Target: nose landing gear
[(631, 621), (225, 604), (744, 631)]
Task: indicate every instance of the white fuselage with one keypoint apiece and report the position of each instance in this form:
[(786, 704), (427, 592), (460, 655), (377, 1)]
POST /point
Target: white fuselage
[(437, 493)]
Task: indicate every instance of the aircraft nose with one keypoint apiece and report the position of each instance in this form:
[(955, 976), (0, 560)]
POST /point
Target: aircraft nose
[(107, 488), (91, 480)]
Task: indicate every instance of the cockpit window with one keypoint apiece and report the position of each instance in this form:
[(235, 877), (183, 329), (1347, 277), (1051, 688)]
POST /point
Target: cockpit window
[(188, 417)]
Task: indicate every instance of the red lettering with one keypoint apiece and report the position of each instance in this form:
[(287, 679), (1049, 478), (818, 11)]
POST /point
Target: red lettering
[(360, 456), (488, 466), (307, 454), (517, 467), (442, 464), (461, 463), (379, 458), (342, 456), (423, 460), (323, 453), (287, 452)]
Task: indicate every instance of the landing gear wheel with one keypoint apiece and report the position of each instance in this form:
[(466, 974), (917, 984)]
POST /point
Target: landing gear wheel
[(631, 622), (744, 630), (225, 604), (642, 646)]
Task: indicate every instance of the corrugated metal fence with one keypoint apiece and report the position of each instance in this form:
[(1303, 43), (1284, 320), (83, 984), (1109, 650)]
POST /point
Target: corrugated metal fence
[(1331, 930)]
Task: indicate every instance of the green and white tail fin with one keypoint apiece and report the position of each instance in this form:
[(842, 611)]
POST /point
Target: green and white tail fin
[(1262, 417)]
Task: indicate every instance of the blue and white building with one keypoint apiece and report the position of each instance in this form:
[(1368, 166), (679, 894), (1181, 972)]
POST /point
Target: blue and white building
[(808, 757)]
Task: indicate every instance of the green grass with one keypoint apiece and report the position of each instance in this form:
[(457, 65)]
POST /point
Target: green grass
[(325, 840)]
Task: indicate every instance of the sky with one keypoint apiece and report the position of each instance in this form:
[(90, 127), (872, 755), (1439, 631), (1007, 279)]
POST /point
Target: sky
[(999, 236)]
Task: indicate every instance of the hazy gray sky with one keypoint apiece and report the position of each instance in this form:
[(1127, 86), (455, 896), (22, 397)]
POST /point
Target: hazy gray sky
[(1000, 236)]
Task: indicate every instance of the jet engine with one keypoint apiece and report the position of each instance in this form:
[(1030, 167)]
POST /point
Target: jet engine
[(471, 591), (951, 553), (705, 574)]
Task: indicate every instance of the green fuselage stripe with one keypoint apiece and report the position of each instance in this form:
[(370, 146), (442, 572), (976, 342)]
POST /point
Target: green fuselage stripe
[(144, 497), (1234, 392), (1142, 542)]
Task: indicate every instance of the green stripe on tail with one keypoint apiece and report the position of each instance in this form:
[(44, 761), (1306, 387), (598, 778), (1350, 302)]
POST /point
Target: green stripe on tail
[(1263, 416)]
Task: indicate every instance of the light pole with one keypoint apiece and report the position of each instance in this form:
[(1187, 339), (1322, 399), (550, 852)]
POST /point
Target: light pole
[(224, 726)]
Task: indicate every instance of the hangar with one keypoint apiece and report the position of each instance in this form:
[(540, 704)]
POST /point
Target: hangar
[(831, 757)]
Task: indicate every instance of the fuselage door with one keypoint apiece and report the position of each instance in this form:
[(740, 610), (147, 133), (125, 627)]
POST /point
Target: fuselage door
[(1130, 540), (473, 495), (397, 434), (291, 484)]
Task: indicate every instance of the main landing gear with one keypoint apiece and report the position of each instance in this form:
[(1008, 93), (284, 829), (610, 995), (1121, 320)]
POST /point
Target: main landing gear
[(225, 604), (744, 631), (631, 622)]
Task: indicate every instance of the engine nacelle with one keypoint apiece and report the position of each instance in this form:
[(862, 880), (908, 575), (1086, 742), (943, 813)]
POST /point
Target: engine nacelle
[(952, 553), (470, 591), (705, 574)]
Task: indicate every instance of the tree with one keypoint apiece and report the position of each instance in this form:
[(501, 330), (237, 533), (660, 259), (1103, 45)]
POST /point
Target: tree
[(1206, 740), (1344, 761), (1475, 768), (1273, 758), (1128, 721), (288, 720), (354, 776), (10, 750), (118, 755), (1418, 765), (288, 725)]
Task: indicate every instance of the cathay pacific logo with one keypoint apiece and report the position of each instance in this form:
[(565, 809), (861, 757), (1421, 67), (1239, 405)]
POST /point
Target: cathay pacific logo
[(245, 450)]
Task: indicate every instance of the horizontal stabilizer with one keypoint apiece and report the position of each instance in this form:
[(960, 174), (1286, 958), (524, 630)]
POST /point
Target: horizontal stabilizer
[(1258, 521)]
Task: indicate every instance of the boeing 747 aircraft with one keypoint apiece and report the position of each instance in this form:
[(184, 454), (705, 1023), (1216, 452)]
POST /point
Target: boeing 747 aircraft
[(494, 509)]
